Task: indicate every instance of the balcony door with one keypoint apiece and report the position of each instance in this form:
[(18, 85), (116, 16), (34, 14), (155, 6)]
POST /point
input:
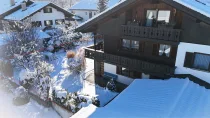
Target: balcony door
[(151, 16)]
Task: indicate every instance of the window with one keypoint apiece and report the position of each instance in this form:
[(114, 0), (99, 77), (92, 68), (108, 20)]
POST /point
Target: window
[(59, 21), (161, 50), (201, 61), (47, 10), (126, 44), (94, 13), (128, 73), (155, 17), (164, 50), (197, 61), (90, 14), (85, 13), (151, 16), (48, 22), (164, 16), (37, 24), (130, 45)]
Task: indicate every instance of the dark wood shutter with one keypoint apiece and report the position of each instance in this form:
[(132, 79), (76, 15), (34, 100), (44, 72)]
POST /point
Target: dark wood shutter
[(155, 49), (119, 70), (189, 57), (141, 46), (173, 52)]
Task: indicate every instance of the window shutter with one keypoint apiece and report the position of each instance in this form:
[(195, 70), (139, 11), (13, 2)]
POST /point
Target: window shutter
[(119, 69), (173, 52), (141, 46), (189, 57), (155, 50)]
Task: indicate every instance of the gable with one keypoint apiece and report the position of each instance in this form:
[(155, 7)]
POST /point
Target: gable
[(124, 4), (32, 9)]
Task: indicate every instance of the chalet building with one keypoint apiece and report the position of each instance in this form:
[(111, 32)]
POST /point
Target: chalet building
[(150, 39), (40, 13), (86, 9)]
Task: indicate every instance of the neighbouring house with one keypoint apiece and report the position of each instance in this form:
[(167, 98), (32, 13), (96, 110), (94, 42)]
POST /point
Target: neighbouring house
[(145, 98), (40, 13), (150, 39), (86, 9)]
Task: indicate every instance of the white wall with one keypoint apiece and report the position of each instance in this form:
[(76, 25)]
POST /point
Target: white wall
[(112, 69), (61, 111), (188, 47), (41, 16), (82, 13)]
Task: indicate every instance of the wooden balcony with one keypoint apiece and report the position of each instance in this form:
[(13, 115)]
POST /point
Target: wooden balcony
[(167, 34), (139, 65)]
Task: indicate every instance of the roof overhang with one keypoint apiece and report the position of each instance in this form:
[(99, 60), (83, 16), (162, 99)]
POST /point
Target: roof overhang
[(88, 25)]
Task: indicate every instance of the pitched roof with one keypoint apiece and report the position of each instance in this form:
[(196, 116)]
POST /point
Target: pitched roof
[(146, 98), (90, 4), (20, 14), (5, 5), (32, 8), (201, 6), (199, 9)]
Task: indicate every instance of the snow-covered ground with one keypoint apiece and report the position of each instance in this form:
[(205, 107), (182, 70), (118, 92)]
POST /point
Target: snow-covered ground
[(65, 79), (30, 110)]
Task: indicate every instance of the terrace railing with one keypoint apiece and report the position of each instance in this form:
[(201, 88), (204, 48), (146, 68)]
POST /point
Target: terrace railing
[(134, 64)]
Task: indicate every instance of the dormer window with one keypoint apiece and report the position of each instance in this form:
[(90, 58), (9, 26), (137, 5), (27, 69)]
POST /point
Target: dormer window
[(47, 10)]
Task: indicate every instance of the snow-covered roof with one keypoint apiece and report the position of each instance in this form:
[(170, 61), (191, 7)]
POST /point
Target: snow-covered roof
[(20, 14), (42, 35), (90, 4), (201, 6), (103, 14), (6, 6), (146, 98)]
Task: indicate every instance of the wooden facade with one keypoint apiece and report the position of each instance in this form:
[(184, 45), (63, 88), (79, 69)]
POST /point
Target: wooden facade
[(130, 23)]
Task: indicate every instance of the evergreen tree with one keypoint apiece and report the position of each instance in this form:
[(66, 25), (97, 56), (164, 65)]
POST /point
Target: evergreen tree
[(102, 5)]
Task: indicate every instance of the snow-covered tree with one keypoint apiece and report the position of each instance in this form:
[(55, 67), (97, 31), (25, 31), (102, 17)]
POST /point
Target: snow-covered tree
[(38, 78), (63, 37), (102, 5), (22, 42)]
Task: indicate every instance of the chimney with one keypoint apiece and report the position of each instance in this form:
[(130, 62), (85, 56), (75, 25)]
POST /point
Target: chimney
[(23, 6), (12, 2)]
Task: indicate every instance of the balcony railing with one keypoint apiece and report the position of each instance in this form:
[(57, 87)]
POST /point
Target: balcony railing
[(134, 64), (167, 34)]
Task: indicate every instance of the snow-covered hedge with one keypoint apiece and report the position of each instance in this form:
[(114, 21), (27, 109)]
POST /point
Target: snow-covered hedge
[(73, 101), (21, 96)]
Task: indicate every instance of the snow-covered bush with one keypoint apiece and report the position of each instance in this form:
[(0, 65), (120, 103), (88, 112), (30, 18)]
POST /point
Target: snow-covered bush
[(111, 85), (6, 68), (70, 54), (73, 101), (63, 37), (78, 62), (21, 96)]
